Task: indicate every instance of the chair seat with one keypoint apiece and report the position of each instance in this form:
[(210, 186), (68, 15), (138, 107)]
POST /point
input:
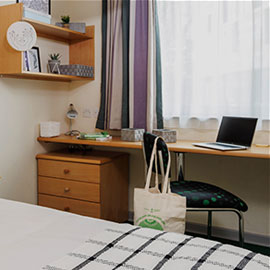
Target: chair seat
[(203, 195)]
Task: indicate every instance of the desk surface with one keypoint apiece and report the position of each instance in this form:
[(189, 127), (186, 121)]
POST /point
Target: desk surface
[(179, 146)]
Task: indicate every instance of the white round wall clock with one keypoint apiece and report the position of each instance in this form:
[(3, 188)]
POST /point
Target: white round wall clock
[(21, 36)]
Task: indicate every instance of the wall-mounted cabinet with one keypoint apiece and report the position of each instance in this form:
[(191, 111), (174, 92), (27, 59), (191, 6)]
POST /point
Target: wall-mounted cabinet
[(81, 46)]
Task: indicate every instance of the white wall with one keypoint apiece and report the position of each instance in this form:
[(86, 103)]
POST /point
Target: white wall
[(246, 177), (23, 104), (84, 95), (26, 103)]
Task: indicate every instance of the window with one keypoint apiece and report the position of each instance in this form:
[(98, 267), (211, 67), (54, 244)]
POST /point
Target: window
[(215, 59)]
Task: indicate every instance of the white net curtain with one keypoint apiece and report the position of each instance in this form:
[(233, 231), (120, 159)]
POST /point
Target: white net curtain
[(215, 59)]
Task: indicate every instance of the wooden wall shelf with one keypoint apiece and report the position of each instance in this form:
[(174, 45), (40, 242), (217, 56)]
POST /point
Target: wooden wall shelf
[(58, 33), (46, 77), (81, 46)]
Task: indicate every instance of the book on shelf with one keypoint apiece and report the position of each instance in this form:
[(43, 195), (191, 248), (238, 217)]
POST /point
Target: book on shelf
[(25, 61)]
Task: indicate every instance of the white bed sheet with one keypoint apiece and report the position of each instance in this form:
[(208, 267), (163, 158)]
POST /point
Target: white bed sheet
[(32, 236)]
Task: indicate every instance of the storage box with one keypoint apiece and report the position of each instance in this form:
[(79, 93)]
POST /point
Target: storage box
[(132, 134), (36, 15), (77, 70), (79, 27), (49, 129), (168, 135)]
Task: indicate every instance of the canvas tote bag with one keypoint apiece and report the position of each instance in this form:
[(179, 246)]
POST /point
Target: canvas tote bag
[(164, 210)]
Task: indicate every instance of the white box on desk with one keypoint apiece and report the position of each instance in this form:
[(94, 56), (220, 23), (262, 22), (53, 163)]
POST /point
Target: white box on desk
[(49, 129)]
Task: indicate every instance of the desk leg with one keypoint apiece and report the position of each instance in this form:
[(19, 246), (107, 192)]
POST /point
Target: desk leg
[(179, 166), (182, 167), (209, 225), (176, 165)]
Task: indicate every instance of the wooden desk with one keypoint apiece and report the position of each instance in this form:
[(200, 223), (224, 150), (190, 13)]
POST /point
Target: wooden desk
[(179, 146)]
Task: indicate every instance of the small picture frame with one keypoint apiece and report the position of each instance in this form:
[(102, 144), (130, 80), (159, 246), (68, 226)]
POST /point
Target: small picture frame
[(43, 6), (32, 60)]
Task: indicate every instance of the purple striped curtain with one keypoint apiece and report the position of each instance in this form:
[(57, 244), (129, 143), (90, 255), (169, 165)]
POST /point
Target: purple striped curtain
[(131, 68)]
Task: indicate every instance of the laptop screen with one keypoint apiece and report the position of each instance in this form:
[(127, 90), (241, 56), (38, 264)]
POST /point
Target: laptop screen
[(237, 130)]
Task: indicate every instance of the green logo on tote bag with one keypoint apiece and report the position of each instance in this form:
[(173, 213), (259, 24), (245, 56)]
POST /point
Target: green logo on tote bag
[(151, 221)]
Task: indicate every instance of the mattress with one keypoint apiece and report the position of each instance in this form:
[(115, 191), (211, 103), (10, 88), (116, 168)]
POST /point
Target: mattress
[(34, 237)]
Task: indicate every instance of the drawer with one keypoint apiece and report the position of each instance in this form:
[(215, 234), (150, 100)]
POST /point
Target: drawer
[(69, 170), (70, 189), (70, 205)]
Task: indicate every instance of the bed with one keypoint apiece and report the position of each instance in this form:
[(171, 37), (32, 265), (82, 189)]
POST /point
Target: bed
[(34, 237)]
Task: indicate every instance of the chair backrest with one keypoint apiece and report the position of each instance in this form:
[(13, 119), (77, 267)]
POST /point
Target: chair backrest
[(148, 143)]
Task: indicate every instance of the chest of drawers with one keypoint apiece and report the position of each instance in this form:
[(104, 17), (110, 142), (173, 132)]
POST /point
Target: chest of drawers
[(94, 184)]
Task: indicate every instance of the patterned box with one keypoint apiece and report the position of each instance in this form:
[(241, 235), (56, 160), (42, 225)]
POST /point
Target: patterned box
[(132, 134), (168, 135), (79, 27), (77, 70)]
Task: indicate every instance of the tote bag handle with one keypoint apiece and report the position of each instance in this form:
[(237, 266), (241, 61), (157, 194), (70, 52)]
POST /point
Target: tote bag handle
[(150, 167), (166, 182)]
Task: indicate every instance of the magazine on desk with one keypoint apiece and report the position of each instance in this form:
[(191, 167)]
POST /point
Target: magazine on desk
[(103, 136)]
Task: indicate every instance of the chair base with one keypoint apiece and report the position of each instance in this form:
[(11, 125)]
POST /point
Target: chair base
[(209, 223)]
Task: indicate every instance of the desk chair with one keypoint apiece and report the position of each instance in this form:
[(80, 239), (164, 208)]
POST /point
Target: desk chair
[(200, 196)]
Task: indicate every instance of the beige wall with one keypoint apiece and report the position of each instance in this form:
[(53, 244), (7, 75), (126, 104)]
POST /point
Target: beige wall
[(23, 104)]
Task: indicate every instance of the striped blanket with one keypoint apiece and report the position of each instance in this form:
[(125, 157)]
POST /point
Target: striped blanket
[(142, 249)]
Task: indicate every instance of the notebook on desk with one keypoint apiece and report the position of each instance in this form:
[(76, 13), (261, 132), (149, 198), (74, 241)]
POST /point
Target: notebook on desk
[(235, 133)]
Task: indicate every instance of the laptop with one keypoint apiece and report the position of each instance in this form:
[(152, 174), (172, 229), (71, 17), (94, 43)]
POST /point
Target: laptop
[(235, 133)]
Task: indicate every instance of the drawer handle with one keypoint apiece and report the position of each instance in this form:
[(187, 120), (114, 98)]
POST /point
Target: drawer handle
[(67, 209), (66, 171), (67, 189)]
